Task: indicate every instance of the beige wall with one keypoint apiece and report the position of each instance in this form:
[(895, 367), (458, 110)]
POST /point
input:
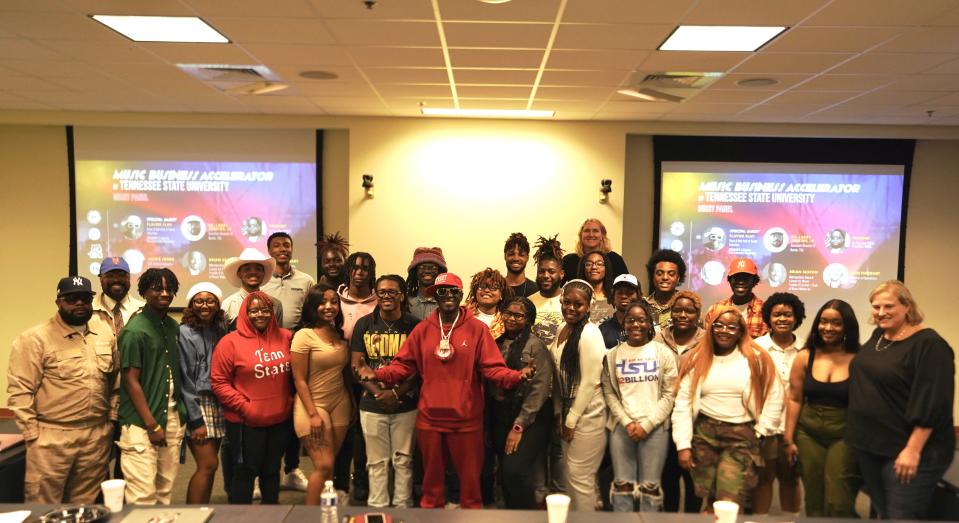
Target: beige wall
[(464, 185)]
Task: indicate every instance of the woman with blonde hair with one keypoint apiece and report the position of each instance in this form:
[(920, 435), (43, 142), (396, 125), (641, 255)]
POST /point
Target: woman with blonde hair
[(591, 238), (901, 387), (729, 398)]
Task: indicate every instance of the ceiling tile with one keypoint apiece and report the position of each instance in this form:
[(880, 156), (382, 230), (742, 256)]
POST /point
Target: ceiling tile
[(16, 49), (493, 104), (946, 68), (48, 6), (384, 32), (416, 75), (398, 56), (488, 58), (199, 53), (892, 63), (879, 12), (254, 8), (291, 73), (56, 25), (708, 108), (495, 76), (924, 40), (846, 82), (628, 11), (783, 110), (573, 93), (494, 91), (786, 81), (611, 36), (567, 107), (273, 30), (926, 82), (28, 83), (140, 7), (751, 12), (333, 88), (299, 54), (385, 9), (525, 11), (886, 96), (419, 91), (691, 61), (65, 69), (600, 59), (831, 39), (951, 100), (811, 97), (101, 52), (610, 78), (773, 63), (514, 35), (749, 96)]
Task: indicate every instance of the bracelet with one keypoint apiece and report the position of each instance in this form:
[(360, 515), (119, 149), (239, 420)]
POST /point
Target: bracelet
[(156, 429), (395, 395)]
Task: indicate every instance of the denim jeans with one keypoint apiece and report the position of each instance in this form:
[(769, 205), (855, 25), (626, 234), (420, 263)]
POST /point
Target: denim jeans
[(893, 500), (389, 439), (637, 469)]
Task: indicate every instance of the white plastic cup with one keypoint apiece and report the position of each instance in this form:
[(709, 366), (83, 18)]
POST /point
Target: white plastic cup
[(557, 508), (113, 494), (725, 511)]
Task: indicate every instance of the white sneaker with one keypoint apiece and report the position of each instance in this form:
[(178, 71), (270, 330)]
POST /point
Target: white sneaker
[(294, 480), (256, 489), (452, 506)]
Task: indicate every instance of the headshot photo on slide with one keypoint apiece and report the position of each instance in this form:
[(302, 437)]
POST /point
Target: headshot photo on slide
[(193, 228), (836, 276), (776, 240), (132, 227), (775, 274), (714, 239), (712, 272), (254, 229), (194, 262), (837, 241)]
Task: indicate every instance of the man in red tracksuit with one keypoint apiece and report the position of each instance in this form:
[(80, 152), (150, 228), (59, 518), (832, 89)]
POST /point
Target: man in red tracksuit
[(453, 353)]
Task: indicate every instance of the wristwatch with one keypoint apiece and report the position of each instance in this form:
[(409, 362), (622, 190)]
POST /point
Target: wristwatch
[(518, 428)]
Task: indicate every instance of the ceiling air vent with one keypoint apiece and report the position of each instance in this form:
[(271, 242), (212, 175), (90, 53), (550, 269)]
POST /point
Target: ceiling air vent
[(668, 87), (235, 79)]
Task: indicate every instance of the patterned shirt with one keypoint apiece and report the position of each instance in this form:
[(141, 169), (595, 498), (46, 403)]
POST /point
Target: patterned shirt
[(754, 315)]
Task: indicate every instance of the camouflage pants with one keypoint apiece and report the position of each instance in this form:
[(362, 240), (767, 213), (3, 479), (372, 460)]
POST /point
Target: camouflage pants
[(726, 456)]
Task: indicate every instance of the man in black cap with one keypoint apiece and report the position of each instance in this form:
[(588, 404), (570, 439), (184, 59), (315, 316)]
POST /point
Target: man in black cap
[(61, 381)]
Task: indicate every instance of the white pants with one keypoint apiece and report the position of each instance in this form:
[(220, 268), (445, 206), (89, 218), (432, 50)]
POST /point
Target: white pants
[(150, 470), (389, 439), (584, 454)]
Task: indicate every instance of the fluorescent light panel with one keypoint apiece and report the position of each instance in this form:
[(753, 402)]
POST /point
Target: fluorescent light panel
[(719, 38), (487, 113), (184, 29)]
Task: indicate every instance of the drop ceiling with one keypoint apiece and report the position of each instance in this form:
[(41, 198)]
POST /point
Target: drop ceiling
[(840, 61)]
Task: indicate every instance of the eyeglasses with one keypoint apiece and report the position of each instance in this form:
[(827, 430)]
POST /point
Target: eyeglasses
[(387, 293), (209, 302), (629, 320), (448, 292), (489, 288), (514, 315), (732, 328), (78, 298), (590, 265)]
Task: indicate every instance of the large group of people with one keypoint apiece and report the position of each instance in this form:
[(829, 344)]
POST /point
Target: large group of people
[(422, 390)]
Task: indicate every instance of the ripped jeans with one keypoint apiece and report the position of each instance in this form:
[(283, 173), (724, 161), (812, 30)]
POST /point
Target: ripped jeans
[(637, 470), (389, 439)]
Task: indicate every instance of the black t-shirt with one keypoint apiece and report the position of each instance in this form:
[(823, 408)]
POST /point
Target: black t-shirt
[(379, 341), (525, 289), (906, 384)]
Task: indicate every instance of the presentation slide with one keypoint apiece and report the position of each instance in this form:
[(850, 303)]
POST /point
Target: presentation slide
[(818, 231), (191, 216)]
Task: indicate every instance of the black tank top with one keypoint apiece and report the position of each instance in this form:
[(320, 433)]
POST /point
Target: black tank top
[(826, 394)]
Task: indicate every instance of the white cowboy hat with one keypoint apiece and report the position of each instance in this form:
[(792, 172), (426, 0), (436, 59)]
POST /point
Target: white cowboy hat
[(249, 255)]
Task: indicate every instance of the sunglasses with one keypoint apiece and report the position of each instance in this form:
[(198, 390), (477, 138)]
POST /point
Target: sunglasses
[(388, 293), (448, 292), (77, 298)]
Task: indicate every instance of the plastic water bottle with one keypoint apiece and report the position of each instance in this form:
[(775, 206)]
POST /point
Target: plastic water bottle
[(328, 501)]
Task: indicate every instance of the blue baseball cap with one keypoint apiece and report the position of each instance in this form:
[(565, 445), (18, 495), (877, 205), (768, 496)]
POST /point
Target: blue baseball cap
[(114, 263)]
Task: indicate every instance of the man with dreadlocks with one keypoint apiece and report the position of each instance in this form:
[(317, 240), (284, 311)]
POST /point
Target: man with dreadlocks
[(516, 253), (549, 278), (356, 295), (332, 253), (427, 263), (150, 408), (488, 292)]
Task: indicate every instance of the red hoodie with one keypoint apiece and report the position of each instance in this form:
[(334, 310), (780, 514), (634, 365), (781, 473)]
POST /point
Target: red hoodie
[(250, 373), (451, 396)]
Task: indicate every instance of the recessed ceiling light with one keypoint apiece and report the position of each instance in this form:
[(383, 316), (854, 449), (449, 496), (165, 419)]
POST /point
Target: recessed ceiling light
[(188, 29), (494, 1), (487, 113), (651, 95), (719, 38), (757, 82), (319, 75)]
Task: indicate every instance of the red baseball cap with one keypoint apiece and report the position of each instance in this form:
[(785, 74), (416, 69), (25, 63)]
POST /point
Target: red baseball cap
[(740, 265), (447, 279)]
